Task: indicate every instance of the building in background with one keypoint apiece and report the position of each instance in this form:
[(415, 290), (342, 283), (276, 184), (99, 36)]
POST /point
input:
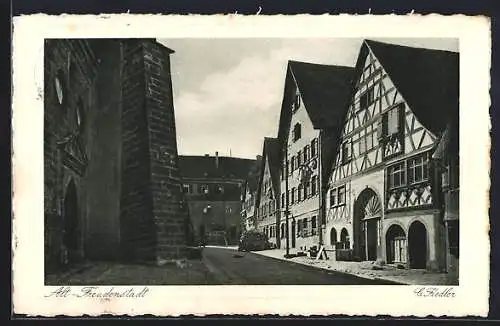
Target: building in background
[(384, 196), (213, 186), (267, 204), (248, 197), (111, 183), (313, 99)]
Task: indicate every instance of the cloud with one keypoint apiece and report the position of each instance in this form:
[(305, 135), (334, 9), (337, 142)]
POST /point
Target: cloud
[(237, 107)]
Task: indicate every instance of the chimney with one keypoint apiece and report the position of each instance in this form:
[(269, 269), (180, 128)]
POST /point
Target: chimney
[(217, 159)]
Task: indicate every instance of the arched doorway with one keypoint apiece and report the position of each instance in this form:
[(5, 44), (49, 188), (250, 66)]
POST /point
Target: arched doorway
[(333, 237), (396, 245), (366, 223), (344, 239), (417, 245), (71, 237)]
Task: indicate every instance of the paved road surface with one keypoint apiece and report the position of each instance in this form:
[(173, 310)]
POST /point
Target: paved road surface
[(232, 267)]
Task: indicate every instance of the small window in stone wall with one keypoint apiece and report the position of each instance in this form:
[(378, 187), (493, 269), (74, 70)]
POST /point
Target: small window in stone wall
[(80, 114), (60, 86)]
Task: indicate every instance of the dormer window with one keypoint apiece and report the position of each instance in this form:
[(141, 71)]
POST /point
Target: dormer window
[(297, 130), (296, 102), (366, 99)]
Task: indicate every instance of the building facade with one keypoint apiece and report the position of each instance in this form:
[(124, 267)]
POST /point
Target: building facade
[(384, 195), (267, 203), (213, 186), (111, 184), (248, 197), (312, 99)]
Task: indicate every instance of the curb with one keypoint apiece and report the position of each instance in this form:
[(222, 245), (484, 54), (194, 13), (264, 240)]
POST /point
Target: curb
[(337, 271)]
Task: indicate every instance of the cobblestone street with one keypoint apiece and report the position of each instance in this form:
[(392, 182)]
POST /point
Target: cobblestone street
[(219, 266), (193, 273)]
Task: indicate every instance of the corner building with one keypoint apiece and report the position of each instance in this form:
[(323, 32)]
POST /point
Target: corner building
[(313, 98), (384, 192)]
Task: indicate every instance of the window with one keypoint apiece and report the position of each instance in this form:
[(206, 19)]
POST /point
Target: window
[(314, 145), (282, 233), (313, 185), (346, 151), (341, 195), (306, 190), (313, 225), (366, 99), (282, 200), (299, 159), (292, 167), (296, 102), (288, 198), (362, 144), (306, 153), (418, 169), (219, 189), (296, 132), (60, 86), (80, 114), (204, 189), (186, 188), (293, 195), (288, 166), (392, 122), (396, 175), (299, 193), (333, 197)]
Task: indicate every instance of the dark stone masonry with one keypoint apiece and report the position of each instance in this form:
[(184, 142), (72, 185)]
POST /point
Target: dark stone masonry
[(112, 186)]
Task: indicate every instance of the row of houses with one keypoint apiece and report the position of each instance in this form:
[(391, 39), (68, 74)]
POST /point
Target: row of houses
[(366, 160)]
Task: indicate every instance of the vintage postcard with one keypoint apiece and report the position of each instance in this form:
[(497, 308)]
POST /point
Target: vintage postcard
[(227, 164)]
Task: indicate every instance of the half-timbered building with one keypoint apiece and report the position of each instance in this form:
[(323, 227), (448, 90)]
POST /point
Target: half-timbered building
[(268, 191), (249, 195), (314, 99), (384, 192)]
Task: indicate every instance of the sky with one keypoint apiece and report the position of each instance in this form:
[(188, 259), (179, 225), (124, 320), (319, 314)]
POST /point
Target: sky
[(228, 92)]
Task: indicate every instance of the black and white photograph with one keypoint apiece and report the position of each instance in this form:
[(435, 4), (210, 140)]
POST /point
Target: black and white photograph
[(292, 160)]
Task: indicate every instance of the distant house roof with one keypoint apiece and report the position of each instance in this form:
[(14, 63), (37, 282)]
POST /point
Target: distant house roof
[(427, 79), (325, 92), (206, 167), (271, 154), (252, 180)]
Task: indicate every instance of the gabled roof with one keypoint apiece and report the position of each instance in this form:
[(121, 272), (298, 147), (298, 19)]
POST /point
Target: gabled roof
[(270, 154), (427, 79), (206, 167), (325, 91), (253, 176)]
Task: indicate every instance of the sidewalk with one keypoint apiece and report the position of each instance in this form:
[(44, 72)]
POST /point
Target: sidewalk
[(364, 269)]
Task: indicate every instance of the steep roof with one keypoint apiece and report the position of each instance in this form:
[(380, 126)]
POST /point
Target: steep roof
[(206, 167), (271, 154), (427, 79), (325, 91), (253, 176)]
